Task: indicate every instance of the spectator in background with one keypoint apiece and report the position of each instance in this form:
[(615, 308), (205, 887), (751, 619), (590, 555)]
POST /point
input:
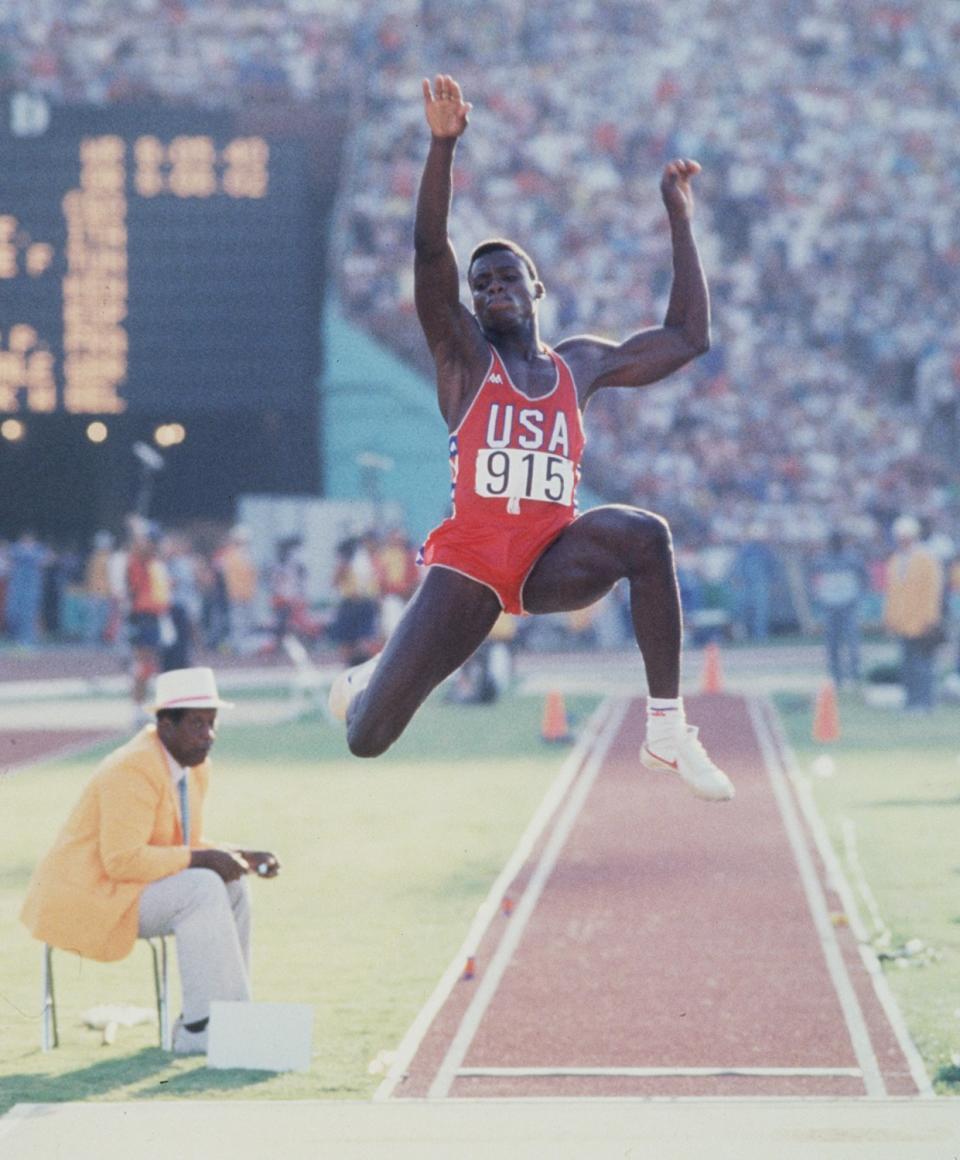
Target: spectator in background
[(26, 561), (97, 589), (62, 607), (913, 611), (216, 606), (690, 583), (397, 577), (953, 601), (856, 101), (288, 587), (119, 589), (355, 627), (213, 603), (4, 576), (150, 627), (943, 547), (752, 576), (185, 602), (838, 582), (239, 576)]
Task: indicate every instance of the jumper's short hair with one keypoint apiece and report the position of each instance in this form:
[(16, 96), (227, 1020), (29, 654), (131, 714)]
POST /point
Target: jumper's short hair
[(492, 244)]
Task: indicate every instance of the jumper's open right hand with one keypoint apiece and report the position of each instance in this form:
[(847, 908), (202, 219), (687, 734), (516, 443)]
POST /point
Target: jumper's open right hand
[(446, 111)]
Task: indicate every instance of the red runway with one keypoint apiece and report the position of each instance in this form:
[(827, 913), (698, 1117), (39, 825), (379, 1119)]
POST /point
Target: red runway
[(23, 747), (654, 945)]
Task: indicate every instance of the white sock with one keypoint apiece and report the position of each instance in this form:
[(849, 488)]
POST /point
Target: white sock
[(665, 716)]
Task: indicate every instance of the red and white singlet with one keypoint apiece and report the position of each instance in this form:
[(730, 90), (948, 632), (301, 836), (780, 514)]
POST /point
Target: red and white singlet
[(515, 466)]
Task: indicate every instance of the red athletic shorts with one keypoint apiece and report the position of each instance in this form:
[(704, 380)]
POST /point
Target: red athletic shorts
[(501, 558)]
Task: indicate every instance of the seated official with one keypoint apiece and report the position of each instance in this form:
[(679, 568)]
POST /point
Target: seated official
[(131, 862)]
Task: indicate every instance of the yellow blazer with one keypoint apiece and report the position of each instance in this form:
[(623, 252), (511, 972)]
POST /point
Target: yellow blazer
[(914, 602), (122, 834)]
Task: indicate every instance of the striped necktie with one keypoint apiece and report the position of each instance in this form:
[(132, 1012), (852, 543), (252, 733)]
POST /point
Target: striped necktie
[(183, 787)]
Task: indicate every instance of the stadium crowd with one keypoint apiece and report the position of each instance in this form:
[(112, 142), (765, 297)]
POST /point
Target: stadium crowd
[(185, 592), (830, 398), (160, 598), (826, 217), (207, 52)]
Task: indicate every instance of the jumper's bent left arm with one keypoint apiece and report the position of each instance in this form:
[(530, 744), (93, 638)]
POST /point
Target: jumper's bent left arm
[(651, 355)]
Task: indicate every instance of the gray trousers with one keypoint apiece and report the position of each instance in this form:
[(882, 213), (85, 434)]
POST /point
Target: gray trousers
[(210, 920)]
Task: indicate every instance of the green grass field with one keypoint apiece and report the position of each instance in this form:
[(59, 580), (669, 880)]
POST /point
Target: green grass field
[(385, 863), (384, 866), (892, 804)]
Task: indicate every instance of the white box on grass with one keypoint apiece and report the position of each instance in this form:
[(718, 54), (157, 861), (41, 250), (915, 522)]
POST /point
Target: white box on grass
[(260, 1036)]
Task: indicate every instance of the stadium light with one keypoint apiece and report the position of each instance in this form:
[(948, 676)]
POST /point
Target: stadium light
[(169, 434), (97, 432), (13, 430)]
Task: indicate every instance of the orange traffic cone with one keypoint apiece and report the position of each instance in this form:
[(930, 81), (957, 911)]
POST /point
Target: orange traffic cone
[(826, 717), (712, 669), (555, 727), (471, 968)]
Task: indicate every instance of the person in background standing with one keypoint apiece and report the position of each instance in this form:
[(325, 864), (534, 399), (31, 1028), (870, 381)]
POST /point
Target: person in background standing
[(396, 567), (913, 611), (288, 587), (149, 591), (838, 582), (953, 603), (185, 602), (355, 627), (97, 589), (119, 590), (26, 560), (239, 574), (4, 576), (753, 575), (61, 611)]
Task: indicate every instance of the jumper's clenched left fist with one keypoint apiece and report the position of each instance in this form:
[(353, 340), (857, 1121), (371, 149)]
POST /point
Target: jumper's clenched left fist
[(675, 186)]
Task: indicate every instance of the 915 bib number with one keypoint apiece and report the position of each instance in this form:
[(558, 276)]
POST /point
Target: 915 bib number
[(511, 473)]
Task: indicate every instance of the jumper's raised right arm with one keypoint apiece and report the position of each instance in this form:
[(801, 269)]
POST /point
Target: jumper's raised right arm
[(436, 276)]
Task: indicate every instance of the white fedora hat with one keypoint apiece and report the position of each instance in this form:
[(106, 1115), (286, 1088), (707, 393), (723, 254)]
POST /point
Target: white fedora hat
[(188, 689)]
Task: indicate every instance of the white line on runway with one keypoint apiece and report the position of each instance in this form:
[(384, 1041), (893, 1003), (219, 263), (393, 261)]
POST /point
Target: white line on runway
[(410, 1044), (460, 1044), (655, 1072), (888, 1002), (816, 900)]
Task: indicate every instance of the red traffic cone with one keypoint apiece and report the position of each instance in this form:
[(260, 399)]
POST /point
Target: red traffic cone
[(826, 716), (555, 726), (712, 669)]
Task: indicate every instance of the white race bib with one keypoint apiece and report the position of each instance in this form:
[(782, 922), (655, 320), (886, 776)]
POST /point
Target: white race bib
[(512, 473)]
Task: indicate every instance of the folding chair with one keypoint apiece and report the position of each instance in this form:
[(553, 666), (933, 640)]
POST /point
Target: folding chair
[(49, 1035)]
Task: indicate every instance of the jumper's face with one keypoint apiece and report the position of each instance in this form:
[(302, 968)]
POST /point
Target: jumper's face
[(504, 294), (189, 740)]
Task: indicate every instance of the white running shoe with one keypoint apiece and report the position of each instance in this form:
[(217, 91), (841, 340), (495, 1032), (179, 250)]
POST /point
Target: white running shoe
[(348, 685), (685, 755)]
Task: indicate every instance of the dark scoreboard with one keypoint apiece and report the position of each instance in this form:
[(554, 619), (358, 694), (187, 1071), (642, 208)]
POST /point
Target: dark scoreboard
[(166, 264)]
